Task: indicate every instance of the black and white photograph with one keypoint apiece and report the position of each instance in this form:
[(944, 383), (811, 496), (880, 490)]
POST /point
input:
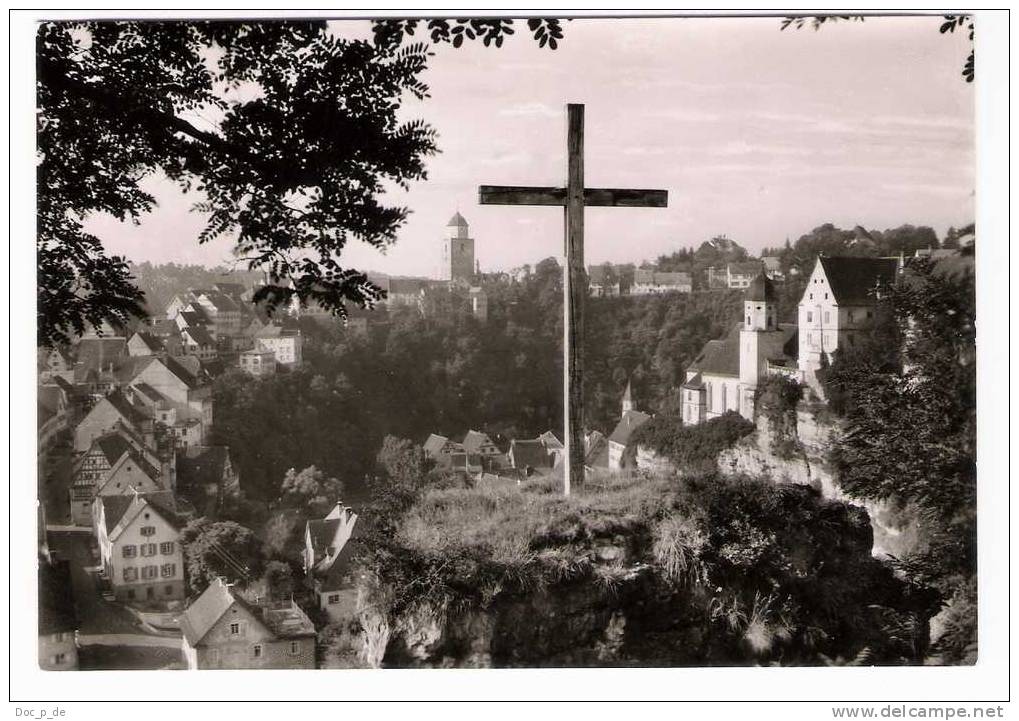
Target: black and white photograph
[(509, 341)]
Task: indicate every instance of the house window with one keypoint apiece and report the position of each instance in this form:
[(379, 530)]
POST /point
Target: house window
[(826, 296), (810, 317), (869, 314), (235, 629), (850, 316), (169, 590), (59, 659), (168, 569), (130, 594), (256, 651), (166, 548), (723, 396), (149, 572), (130, 574), (827, 317), (148, 530), (334, 598), (812, 296), (295, 648), (148, 549), (130, 551)]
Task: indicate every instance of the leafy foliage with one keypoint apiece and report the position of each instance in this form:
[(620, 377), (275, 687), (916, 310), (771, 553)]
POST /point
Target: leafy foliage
[(948, 26), (310, 489), (693, 448), (299, 135), (391, 32), (650, 341), (215, 549), (910, 413)]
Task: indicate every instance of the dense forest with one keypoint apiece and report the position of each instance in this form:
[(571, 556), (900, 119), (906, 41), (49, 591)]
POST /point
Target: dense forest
[(442, 371)]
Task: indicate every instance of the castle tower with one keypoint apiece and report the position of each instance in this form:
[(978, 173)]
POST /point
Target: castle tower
[(458, 251), (628, 404)]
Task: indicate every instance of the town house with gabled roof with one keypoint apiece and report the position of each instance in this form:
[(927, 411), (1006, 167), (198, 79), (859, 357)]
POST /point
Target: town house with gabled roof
[(223, 630), (111, 411), (327, 553), (139, 546), (186, 393)]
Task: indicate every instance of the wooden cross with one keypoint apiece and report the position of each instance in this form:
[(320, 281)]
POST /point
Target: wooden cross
[(573, 198)]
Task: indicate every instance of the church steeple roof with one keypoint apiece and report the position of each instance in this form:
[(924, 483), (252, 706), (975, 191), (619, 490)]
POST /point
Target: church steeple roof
[(628, 393), (457, 221), (761, 288)]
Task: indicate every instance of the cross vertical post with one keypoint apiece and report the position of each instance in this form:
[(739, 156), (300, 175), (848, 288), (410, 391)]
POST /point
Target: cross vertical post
[(575, 292), (573, 198)]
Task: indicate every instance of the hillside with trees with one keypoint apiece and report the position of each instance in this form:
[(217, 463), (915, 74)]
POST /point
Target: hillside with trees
[(412, 374)]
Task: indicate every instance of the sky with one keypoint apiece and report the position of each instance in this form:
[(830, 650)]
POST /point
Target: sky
[(757, 133)]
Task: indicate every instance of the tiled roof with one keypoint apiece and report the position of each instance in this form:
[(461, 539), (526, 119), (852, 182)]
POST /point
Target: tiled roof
[(531, 453), (550, 440), (761, 289), (199, 618), (719, 357), (200, 335), (474, 440), (94, 353), (162, 502), (220, 301), (56, 599), (129, 411), (149, 392), (628, 424), (194, 317), (151, 342), (182, 373), (112, 446), (749, 267), (457, 221), (649, 276), (434, 444), (853, 279)]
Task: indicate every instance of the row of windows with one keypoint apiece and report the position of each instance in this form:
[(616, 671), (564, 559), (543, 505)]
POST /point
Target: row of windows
[(258, 651), (168, 591), (827, 317), (167, 570), (149, 549)]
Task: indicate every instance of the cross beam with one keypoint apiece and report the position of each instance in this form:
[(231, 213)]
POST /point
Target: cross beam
[(573, 198)]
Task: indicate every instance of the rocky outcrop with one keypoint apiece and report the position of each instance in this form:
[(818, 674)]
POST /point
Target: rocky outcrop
[(804, 462)]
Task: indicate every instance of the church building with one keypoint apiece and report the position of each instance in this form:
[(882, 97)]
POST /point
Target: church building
[(837, 304)]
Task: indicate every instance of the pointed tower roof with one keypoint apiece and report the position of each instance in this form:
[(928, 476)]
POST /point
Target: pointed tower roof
[(457, 221), (628, 393), (761, 288)]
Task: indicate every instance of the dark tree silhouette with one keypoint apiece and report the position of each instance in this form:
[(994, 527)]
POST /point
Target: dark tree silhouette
[(307, 138), (949, 25)]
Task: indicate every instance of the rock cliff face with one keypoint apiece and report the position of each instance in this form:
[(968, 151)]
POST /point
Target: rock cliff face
[(805, 462)]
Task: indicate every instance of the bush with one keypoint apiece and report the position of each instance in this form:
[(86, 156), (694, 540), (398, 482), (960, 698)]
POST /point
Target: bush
[(693, 448)]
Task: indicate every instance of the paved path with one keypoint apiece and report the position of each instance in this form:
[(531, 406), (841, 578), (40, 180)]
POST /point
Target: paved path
[(128, 639)]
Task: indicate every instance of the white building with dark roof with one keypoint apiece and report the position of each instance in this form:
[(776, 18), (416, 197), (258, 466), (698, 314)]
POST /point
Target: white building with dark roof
[(838, 304), (139, 546), (327, 555)]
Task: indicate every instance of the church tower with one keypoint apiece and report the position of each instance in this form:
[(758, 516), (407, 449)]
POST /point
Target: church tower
[(458, 251), (759, 339)]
